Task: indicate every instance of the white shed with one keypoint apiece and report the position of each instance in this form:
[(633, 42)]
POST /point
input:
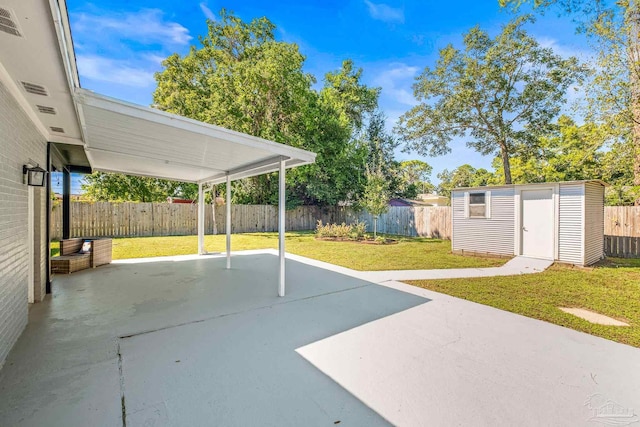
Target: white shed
[(562, 221)]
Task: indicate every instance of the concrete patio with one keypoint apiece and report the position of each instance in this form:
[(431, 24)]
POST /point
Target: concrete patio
[(183, 341)]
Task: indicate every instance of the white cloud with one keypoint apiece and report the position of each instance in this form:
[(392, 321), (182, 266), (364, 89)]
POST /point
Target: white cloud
[(564, 50), (154, 58), (396, 82), (103, 69), (207, 12), (146, 26), (384, 12)]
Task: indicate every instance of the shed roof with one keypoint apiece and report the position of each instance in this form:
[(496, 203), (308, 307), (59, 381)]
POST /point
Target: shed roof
[(541, 184)]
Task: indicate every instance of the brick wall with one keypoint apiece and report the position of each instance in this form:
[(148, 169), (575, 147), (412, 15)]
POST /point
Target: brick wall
[(19, 142)]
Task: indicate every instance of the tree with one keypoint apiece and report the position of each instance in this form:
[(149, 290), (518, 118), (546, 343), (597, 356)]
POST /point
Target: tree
[(614, 92), (503, 93), (375, 198), (100, 186), (243, 79), (344, 92), (332, 124), (572, 152), (417, 173), (463, 176)]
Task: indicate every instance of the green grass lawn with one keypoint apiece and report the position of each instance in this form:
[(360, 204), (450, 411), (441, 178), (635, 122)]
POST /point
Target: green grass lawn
[(612, 288), (409, 253)]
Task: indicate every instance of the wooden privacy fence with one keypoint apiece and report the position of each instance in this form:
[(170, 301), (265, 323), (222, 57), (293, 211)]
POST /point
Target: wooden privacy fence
[(622, 231), (622, 221), (622, 246), (106, 219), (424, 221)]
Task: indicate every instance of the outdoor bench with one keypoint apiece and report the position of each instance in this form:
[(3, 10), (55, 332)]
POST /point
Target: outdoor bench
[(73, 259)]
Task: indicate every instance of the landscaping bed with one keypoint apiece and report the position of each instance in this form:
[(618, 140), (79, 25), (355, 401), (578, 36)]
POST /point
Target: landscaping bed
[(385, 241)]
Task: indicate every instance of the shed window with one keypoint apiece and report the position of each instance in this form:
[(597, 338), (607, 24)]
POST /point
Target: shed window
[(478, 204)]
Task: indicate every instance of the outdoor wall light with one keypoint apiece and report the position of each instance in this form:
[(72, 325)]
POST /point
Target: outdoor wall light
[(35, 175)]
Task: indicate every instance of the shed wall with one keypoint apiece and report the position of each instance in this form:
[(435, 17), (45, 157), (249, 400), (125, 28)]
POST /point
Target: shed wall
[(594, 223), (19, 142), (491, 235), (571, 225)]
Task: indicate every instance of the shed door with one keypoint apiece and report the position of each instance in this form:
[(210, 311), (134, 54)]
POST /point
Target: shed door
[(537, 223)]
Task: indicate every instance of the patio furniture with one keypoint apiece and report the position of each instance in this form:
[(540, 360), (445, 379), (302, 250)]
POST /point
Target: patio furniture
[(71, 258), (101, 252)]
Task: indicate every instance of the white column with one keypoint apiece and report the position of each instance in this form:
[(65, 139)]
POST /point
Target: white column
[(281, 218), (228, 221), (201, 250)]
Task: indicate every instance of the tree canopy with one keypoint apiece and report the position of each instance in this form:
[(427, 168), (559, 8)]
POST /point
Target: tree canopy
[(613, 93), (242, 78), (100, 186), (501, 94)]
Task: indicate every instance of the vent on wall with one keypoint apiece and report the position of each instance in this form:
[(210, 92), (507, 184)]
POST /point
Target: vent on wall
[(34, 88), (8, 23), (57, 129), (46, 110)]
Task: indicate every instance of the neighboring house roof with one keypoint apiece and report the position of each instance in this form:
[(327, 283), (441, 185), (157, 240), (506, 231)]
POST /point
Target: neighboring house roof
[(179, 200), (408, 202)]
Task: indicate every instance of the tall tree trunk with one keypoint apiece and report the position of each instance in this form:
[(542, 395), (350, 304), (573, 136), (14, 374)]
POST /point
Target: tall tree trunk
[(633, 52), (375, 227), (506, 164)]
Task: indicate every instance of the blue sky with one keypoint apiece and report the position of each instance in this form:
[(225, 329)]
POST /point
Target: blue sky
[(120, 44)]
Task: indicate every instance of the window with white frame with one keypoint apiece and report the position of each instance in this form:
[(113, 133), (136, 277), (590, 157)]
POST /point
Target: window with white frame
[(477, 204)]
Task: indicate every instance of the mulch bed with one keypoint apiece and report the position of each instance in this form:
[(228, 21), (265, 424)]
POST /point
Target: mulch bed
[(363, 242)]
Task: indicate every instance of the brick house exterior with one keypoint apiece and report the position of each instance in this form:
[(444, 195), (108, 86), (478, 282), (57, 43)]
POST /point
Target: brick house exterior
[(20, 141)]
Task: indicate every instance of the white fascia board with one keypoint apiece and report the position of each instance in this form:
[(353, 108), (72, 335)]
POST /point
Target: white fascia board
[(243, 169), (92, 99), (260, 171), (65, 41)]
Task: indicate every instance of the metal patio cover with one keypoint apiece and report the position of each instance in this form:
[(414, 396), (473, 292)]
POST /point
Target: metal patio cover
[(136, 140)]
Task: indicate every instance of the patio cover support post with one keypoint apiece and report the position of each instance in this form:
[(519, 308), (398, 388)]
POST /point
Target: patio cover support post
[(200, 220), (66, 203), (228, 220), (281, 219)]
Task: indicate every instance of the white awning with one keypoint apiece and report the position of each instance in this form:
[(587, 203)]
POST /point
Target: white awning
[(136, 140)]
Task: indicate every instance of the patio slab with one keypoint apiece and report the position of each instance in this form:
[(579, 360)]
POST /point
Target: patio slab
[(183, 341), (71, 366), (455, 362)]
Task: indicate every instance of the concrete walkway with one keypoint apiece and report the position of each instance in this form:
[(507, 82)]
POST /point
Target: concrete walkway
[(514, 267)]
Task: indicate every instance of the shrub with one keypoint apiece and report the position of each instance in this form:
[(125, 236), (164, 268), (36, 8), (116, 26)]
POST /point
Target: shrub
[(358, 230), (322, 230), (340, 231)]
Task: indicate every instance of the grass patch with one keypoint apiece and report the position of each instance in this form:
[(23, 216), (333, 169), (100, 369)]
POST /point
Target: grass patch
[(408, 253), (55, 248), (611, 288)]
